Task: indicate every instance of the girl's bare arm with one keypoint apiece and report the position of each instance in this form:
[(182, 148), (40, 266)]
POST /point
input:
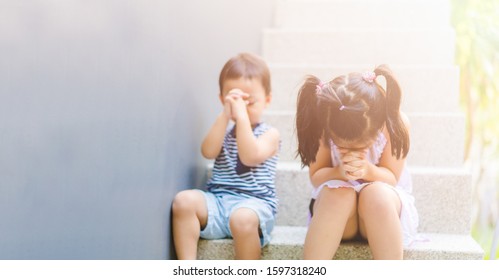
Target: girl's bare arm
[(322, 170)]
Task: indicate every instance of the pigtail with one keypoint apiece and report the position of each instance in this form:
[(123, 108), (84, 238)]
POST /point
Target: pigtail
[(309, 127), (399, 134)]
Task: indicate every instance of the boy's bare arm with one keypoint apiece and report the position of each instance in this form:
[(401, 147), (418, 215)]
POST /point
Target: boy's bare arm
[(212, 143), (253, 150)]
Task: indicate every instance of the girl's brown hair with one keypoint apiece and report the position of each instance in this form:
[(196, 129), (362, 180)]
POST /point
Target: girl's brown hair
[(351, 108), (246, 65)]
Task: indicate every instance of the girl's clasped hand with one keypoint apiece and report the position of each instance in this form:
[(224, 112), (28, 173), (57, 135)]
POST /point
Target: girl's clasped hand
[(354, 163)]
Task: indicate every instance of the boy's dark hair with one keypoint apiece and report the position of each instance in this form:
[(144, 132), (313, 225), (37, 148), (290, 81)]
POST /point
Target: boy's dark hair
[(248, 66), (351, 108)]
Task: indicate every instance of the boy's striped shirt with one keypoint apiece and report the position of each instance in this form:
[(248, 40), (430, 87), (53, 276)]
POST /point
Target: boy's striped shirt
[(231, 176)]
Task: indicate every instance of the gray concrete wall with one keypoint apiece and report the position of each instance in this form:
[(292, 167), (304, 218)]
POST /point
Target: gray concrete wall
[(103, 106)]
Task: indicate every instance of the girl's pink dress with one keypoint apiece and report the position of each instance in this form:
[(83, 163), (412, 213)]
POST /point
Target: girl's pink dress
[(408, 215)]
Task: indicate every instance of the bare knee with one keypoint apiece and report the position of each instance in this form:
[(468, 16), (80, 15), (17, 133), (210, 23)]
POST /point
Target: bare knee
[(186, 202), (378, 200), (244, 221), (338, 197)]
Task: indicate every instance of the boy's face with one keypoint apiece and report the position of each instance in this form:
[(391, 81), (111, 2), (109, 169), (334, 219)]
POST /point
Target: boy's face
[(258, 101)]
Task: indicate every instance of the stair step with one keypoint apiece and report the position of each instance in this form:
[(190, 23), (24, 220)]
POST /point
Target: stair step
[(362, 13), (287, 244), (425, 88), (436, 138), (359, 46)]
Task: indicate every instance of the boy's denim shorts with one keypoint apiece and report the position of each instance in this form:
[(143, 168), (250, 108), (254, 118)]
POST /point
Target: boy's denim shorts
[(220, 208)]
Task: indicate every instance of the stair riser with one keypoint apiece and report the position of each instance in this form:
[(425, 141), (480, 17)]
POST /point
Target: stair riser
[(379, 14), (436, 140), (425, 89), (373, 47)]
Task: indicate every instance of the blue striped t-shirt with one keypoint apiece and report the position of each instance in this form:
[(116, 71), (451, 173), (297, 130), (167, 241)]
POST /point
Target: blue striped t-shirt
[(231, 176)]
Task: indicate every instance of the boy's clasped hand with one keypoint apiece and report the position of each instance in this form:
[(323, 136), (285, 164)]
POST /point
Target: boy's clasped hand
[(235, 104)]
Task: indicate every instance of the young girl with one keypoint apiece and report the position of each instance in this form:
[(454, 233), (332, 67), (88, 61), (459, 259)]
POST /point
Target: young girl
[(240, 201), (355, 140)]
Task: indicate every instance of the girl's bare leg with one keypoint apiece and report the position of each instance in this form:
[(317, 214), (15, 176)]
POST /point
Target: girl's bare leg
[(335, 217), (379, 211)]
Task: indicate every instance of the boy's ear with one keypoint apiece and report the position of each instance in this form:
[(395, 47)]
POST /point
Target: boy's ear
[(221, 97), (268, 98)]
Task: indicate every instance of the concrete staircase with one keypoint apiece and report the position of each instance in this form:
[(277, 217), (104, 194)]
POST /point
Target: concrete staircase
[(332, 37)]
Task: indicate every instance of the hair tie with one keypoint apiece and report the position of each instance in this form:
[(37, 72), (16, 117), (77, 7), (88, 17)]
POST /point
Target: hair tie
[(319, 87), (369, 76)]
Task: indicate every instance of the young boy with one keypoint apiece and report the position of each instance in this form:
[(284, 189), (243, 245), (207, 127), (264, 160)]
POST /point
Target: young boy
[(240, 201)]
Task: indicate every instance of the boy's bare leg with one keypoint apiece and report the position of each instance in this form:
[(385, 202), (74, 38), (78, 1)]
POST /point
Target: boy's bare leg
[(190, 214), (244, 225)]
